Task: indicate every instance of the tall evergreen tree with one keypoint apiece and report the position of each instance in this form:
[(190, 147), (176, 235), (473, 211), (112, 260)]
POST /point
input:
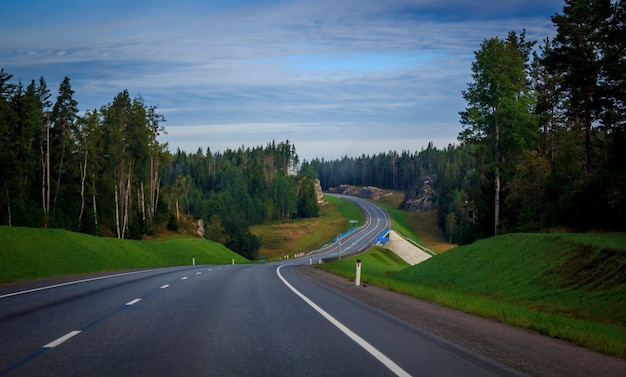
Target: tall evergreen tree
[(61, 150), (576, 56), (27, 132), (498, 116), (8, 118)]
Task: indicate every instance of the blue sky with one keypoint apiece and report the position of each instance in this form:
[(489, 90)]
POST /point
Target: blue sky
[(335, 77)]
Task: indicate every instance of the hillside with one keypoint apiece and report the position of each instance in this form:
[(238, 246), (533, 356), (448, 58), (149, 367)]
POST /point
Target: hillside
[(303, 235), (570, 286), (30, 253), (567, 286), (578, 275)]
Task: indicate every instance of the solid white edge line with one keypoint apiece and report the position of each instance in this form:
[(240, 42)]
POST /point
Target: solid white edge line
[(133, 302), (392, 366), (74, 282), (62, 339)]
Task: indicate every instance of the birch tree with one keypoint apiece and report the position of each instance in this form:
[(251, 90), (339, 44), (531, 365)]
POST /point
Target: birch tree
[(118, 160), (156, 151)]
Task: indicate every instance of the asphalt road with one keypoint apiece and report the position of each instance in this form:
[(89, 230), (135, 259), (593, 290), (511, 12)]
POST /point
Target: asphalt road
[(376, 221), (233, 320)]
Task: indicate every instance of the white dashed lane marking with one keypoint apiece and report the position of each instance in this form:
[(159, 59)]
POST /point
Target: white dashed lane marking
[(133, 302), (62, 339), (72, 334)]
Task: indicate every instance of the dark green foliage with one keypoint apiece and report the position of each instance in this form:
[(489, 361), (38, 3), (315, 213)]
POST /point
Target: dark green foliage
[(215, 231), (138, 228), (550, 127), (243, 242), (385, 170), (172, 223), (86, 174), (307, 201), (232, 190)]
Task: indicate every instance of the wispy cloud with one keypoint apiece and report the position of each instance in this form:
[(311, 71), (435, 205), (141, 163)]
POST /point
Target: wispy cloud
[(380, 73)]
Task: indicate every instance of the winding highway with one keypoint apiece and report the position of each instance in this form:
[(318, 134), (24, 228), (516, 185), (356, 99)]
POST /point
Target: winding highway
[(230, 320), (376, 221)]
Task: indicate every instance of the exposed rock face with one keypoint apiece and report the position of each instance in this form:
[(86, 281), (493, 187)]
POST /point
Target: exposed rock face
[(368, 192), (320, 194), (421, 197), (200, 228)]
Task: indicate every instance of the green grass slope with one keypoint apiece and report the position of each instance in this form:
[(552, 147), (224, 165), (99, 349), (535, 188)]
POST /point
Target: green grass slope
[(29, 253), (378, 265), (304, 235), (570, 286)]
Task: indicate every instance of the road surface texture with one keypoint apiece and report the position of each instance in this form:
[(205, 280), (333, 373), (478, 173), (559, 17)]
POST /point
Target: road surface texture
[(263, 320), (235, 320), (523, 350)]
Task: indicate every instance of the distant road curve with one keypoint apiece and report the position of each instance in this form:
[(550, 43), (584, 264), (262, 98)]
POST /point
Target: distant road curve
[(376, 221)]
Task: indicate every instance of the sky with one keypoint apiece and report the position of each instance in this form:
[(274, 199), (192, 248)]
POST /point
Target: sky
[(334, 77)]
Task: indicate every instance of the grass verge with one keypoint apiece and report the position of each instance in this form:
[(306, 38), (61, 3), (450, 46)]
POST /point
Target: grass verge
[(379, 266), (32, 253), (408, 223), (567, 286), (303, 235)]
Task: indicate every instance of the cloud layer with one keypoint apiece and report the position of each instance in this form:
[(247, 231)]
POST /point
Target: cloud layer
[(334, 77)]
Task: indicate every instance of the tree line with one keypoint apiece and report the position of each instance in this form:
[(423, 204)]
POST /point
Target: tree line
[(543, 138), (542, 146), (97, 173), (238, 188), (106, 173)]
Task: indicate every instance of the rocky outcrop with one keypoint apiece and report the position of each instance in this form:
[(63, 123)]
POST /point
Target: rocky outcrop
[(200, 228), (368, 192), (320, 194), (421, 197)]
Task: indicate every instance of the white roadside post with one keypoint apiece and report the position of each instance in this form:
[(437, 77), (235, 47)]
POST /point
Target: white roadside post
[(193, 261), (357, 280), (339, 246)]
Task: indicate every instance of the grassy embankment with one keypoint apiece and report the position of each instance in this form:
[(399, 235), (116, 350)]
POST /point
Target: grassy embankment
[(407, 223), (567, 286), (303, 235), (27, 253)]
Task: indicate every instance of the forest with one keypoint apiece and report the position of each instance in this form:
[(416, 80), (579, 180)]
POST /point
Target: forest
[(542, 144), (541, 147), (105, 173)]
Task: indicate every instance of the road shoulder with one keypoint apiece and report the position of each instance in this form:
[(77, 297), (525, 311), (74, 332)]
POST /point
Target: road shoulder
[(517, 348)]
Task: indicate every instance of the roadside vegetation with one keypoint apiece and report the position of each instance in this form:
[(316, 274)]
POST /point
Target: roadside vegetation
[(279, 239), (567, 286), (32, 253), (540, 142), (430, 235)]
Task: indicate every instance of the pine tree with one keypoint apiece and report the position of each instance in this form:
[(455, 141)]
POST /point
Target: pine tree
[(498, 116)]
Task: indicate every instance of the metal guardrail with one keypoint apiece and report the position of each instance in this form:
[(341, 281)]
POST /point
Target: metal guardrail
[(382, 237)]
